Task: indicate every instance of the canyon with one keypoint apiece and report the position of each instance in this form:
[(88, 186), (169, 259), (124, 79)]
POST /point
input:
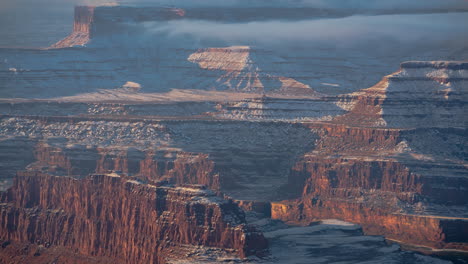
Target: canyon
[(157, 148)]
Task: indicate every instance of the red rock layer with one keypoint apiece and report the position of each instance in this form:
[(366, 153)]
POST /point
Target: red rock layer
[(82, 28), (84, 16), (174, 166), (70, 161), (343, 139), (91, 21), (113, 217), (340, 177), (431, 231), (366, 107), (355, 174), (118, 160), (185, 168), (368, 158), (21, 253)]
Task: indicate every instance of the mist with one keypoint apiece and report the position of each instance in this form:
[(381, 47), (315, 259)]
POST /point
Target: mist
[(40, 23), (360, 4), (435, 30)]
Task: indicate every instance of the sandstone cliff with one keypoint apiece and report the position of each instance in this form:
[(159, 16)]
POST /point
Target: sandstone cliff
[(371, 176), (82, 28), (240, 71), (102, 20), (110, 216), (420, 94)]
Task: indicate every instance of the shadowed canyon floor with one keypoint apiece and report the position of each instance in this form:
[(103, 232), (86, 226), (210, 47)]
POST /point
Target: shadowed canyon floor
[(140, 139)]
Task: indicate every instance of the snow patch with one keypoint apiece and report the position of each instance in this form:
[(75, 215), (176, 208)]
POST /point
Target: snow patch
[(331, 84), (336, 222)]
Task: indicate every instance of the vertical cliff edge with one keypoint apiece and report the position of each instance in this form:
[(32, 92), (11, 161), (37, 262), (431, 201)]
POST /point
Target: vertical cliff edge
[(110, 216)]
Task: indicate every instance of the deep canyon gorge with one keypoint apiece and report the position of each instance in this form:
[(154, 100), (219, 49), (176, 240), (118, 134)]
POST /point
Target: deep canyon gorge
[(139, 139)]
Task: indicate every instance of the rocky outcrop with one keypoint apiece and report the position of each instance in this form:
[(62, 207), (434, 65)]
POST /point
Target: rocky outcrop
[(126, 160), (117, 217), (222, 154), (84, 17), (373, 177), (420, 94), (82, 28), (98, 20), (429, 231), (13, 252), (240, 71), (57, 158), (171, 165), (180, 168)]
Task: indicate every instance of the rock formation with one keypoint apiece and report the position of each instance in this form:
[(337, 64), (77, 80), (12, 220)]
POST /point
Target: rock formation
[(242, 73), (82, 28), (421, 94), (392, 180), (99, 20), (138, 227), (389, 179)]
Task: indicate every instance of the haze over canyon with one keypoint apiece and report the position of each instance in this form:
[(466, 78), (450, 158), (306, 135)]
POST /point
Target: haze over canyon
[(233, 131)]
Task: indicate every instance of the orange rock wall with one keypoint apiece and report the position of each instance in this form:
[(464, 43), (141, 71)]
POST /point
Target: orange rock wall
[(84, 16), (109, 216), (346, 177), (418, 230)]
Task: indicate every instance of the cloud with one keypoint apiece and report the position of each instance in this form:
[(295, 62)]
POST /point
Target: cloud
[(367, 4), (43, 22), (336, 4), (342, 32)]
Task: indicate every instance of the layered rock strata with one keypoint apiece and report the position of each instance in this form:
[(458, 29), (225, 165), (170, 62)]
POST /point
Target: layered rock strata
[(256, 133), (117, 217), (391, 181), (222, 154), (420, 94)]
